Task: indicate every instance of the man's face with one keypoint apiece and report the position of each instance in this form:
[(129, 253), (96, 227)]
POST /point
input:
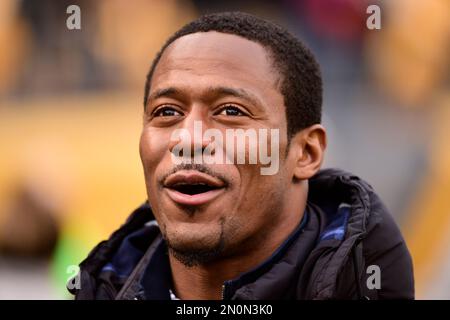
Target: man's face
[(225, 82)]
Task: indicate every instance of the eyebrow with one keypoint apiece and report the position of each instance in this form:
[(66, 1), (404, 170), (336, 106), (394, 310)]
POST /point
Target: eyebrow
[(219, 91), (235, 92), (166, 92)]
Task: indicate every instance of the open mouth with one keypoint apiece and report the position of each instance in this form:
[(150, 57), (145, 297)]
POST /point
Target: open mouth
[(193, 187)]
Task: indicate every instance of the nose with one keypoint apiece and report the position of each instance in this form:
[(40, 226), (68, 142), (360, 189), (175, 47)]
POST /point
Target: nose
[(189, 138)]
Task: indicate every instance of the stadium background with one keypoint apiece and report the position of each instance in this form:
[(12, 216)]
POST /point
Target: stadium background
[(71, 107)]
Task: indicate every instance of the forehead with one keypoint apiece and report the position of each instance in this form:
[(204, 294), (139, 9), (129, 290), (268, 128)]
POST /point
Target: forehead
[(207, 58)]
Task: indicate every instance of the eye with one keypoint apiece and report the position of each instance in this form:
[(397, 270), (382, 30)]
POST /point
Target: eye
[(166, 112), (231, 110)]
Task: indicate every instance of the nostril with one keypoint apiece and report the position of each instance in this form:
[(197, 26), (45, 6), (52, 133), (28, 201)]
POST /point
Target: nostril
[(183, 151), (182, 147)]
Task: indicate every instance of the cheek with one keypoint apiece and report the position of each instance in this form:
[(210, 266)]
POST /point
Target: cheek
[(255, 214), (261, 198), (152, 148)]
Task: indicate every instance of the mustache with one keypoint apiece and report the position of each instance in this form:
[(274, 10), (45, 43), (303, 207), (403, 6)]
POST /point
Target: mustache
[(194, 166)]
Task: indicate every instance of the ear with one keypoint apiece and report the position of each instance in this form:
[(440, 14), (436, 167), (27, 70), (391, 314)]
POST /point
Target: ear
[(308, 149)]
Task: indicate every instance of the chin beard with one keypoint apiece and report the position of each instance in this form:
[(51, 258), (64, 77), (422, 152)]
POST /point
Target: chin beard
[(194, 257)]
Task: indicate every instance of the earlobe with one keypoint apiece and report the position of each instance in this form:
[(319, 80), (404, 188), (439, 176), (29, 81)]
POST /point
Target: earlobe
[(308, 147)]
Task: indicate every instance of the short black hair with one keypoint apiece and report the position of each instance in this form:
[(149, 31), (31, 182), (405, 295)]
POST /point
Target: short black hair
[(301, 81)]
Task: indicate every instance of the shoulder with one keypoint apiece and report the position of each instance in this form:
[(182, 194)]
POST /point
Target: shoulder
[(385, 251)]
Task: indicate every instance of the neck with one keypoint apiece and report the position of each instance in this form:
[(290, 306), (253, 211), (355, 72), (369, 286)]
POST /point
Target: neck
[(205, 282)]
